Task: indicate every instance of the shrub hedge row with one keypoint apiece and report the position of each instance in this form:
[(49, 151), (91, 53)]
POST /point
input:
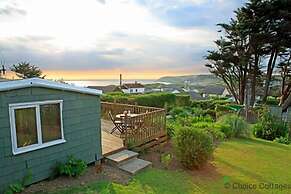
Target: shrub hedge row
[(153, 99)]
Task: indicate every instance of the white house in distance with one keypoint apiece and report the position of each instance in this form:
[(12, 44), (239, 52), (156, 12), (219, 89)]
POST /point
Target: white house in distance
[(133, 88)]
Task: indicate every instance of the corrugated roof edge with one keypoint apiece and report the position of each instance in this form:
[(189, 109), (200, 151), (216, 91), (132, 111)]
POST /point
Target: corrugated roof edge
[(37, 82)]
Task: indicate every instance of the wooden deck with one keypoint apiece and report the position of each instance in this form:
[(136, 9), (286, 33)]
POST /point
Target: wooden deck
[(110, 143), (148, 125)]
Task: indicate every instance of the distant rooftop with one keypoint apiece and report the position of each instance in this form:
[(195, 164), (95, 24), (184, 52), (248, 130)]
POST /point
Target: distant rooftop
[(218, 90), (132, 85)]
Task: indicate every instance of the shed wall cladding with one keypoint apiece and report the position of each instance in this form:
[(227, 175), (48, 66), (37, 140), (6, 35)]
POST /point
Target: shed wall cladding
[(82, 132)]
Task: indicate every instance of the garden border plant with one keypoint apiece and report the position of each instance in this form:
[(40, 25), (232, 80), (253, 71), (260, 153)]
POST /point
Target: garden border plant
[(73, 167)]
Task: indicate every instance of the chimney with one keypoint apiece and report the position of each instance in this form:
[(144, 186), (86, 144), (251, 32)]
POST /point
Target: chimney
[(3, 70), (120, 80)]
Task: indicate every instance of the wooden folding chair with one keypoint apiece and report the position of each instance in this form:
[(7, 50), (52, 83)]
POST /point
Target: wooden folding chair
[(118, 124)]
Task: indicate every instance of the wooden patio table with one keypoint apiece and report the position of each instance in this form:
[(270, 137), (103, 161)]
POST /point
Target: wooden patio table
[(128, 115), (127, 123)]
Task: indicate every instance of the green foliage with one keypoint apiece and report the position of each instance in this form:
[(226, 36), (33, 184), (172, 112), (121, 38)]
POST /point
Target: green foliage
[(228, 162), (183, 100), (14, 188), (269, 128), (213, 129), (282, 140), (233, 125), (194, 146), (179, 112), (209, 103), (73, 167), (272, 101), (155, 99), (166, 159), (195, 111), (19, 186), (171, 126), (25, 70)]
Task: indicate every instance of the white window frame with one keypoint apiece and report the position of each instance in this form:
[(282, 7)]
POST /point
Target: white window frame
[(40, 144)]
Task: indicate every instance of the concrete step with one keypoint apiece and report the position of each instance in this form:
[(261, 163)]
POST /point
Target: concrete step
[(135, 165), (121, 157)]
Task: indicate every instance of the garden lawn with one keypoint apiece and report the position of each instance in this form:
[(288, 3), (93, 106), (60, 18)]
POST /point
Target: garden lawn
[(244, 161)]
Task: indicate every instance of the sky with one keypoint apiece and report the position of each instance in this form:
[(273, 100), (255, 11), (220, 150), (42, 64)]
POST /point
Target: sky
[(99, 39)]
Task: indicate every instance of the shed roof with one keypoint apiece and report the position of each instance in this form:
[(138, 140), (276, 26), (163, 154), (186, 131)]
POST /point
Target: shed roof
[(37, 82)]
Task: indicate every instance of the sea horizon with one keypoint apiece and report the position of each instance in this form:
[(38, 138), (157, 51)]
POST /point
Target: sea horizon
[(106, 82)]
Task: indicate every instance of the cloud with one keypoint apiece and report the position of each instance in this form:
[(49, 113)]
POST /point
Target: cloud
[(101, 1), (133, 35), (137, 53), (10, 8), (191, 13)]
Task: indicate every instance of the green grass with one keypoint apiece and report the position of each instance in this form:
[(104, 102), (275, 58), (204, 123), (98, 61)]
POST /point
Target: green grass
[(244, 161)]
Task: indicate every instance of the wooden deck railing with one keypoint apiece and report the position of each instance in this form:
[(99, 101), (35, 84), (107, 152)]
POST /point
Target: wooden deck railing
[(148, 125)]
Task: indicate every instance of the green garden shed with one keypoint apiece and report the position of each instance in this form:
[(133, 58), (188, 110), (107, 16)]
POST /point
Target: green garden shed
[(42, 123)]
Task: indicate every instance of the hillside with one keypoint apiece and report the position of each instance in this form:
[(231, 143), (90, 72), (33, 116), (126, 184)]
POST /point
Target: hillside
[(194, 80)]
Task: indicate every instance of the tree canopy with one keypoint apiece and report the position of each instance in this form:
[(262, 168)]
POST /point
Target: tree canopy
[(26, 70), (253, 45)]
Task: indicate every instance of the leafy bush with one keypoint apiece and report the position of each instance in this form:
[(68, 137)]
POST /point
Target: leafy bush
[(206, 119), (233, 126), (195, 111), (194, 146), (283, 140), (269, 128), (212, 128), (179, 112), (73, 167)]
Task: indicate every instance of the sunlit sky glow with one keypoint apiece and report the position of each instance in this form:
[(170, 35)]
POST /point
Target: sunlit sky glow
[(97, 39)]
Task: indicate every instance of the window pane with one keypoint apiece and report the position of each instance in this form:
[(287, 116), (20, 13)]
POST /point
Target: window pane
[(26, 130), (50, 122)]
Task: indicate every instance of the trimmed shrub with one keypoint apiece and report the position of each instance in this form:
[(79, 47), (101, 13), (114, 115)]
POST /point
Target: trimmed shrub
[(194, 146), (155, 99), (233, 125)]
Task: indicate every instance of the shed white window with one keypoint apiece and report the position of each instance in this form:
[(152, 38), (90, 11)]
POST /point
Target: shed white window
[(36, 125)]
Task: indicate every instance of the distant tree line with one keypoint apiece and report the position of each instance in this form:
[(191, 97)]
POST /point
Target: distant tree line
[(254, 45)]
